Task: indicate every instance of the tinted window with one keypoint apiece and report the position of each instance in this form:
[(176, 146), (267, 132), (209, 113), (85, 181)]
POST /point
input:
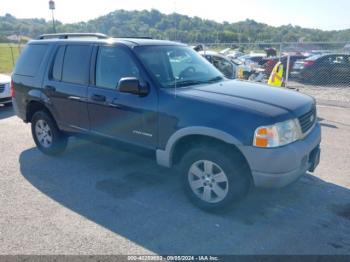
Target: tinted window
[(57, 66), (339, 60), (112, 64), (30, 60), (76, 64)]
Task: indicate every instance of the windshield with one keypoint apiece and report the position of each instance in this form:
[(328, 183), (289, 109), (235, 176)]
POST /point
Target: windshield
[(177, 66), (313, 58)]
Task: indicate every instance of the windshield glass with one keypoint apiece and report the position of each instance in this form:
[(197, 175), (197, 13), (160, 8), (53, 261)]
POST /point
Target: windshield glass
[(177, 66), (313, 58)]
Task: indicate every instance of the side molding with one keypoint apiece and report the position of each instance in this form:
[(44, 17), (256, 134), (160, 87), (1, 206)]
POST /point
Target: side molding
[(164, 156)]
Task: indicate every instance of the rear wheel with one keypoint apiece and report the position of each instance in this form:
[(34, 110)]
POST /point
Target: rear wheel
[(214, 179), (46, 134)]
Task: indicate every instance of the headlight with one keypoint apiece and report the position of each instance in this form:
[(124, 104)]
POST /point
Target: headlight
[(279, 134)]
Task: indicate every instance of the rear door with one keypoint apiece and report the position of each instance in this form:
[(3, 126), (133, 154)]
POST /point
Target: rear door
[(122, 116), (66, 86)]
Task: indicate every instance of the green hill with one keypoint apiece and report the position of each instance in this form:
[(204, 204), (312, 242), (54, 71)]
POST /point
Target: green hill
[(174, 27)]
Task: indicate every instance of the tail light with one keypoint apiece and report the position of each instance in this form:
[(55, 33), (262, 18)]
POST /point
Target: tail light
[(309, 63), (12, 89)]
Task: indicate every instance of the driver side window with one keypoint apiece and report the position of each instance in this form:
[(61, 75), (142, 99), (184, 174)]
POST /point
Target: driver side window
[(112, 64)]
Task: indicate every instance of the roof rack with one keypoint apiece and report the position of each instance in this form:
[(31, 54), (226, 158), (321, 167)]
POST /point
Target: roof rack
[(133, 37), (72, 35)]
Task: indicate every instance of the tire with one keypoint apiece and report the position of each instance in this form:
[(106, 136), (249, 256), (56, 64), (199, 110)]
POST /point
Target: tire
[(46, 134), (228, 182)]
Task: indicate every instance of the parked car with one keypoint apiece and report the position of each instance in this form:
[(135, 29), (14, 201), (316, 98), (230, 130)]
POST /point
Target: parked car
[(225, 65), (223, 135), (5, 95), (235, 54), (323, 69)]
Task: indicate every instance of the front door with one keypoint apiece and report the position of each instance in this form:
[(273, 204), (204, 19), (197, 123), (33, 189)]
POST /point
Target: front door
[(122, 116)]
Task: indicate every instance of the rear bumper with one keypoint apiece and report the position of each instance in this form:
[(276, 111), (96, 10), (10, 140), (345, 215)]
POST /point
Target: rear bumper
[(5, 100), (278, 167), (18, 112)]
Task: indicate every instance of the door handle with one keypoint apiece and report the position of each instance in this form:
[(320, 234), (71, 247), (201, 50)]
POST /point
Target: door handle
[(76, 98), (50, 88), (115, 105), (98, 98)]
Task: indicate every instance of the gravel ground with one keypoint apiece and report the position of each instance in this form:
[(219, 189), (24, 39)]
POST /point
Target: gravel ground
[(327, 95), (100, 200)]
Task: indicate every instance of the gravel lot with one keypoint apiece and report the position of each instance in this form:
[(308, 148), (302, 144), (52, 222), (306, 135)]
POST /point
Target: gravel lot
[(326, 95), (99, 200)]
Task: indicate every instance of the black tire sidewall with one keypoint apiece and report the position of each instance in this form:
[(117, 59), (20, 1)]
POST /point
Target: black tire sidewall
[(59, 141), (236, 172)]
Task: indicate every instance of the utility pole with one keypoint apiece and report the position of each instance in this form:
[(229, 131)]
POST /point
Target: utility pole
[(52, 7)]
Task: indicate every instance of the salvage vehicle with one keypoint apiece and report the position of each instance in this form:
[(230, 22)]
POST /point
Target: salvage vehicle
[(5, 95), (323, 69), (223, 64), (254, 58), (223, 136)]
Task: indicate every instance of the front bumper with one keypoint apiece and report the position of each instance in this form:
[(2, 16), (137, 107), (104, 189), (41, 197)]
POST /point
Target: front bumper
[(278, 167), (5, 100)]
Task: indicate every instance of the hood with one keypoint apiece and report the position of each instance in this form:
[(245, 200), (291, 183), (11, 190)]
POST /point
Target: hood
[(4, 79), (271, 101)]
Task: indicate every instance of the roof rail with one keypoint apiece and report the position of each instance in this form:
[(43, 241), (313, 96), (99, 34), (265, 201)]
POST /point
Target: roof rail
[(72, 35), (133, 37)]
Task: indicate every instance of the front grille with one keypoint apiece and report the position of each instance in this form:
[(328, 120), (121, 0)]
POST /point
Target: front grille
[(307, 120), (2, 88)]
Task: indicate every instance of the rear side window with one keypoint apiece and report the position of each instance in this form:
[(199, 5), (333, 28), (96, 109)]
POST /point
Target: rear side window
[(30, 60), (76, 64), (57, 65)]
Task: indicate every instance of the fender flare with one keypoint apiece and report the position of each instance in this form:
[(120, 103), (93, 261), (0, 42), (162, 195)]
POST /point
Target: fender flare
[(164, 156)]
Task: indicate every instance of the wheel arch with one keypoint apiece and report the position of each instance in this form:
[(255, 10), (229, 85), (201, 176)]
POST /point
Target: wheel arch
[(35, 106), (185, 138)]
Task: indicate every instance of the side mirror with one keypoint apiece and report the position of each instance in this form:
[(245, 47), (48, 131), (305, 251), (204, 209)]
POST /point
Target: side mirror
[(132, 85)]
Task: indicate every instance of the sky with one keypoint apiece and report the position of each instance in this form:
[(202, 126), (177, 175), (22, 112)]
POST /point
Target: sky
[(321, 14)]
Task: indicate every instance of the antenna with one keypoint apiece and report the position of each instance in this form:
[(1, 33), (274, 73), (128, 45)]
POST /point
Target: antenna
[(175, 84), (175, 20)]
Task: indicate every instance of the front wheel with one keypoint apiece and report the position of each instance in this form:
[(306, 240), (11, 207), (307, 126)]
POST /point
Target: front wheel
[(48, 138), (214, 179)]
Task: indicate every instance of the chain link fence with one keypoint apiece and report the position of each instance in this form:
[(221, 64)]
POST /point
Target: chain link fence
[(304, 64), (8, 56)]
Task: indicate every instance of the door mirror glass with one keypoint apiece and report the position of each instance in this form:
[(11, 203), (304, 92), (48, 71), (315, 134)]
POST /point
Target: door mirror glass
[(132, 85)]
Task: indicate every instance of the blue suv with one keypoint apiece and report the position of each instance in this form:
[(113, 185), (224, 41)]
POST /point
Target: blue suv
[(224, 136)]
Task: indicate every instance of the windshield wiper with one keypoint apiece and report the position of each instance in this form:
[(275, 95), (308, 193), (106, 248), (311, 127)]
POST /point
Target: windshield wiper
[(183, 83), (215, 79), (187, 83)]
